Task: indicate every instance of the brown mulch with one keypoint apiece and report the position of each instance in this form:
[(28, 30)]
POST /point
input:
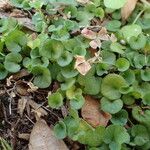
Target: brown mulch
[(15, 127)]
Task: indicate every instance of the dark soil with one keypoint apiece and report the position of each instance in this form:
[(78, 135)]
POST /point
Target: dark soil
[(13, 125)]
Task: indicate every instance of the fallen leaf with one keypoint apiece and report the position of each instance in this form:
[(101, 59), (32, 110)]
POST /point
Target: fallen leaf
[(82, 65), (103, 35), (96, 58), (113, 38), (25, 22), (92, 114), (37, 108), (21, 105), (18, 13), (95, 44), (8, 81), (32, 88), (22, 88), (42, 138), (83, 1), (89, 34), (5, 5), (24, 136), (20, 74), (128, 8)]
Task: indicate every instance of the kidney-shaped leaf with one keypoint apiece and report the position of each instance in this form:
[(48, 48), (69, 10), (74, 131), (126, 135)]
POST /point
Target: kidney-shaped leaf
[(42, 77), (51, 49), (111, 107), (11, 62), (55, 100), (3, 72), (115, 4), (15, 40), (111, 84)]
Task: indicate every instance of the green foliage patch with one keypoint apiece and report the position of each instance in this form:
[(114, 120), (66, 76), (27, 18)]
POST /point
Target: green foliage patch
[(119, 76)]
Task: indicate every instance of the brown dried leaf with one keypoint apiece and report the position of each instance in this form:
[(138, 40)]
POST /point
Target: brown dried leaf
[(128, 8), (83, 1), (89, 34), (37, 108), (5, 5), (24, 136), (21, 105), (20, 74), (103, 35), (92, 114), (42, 138), (32, 88), (25, 22), (22, 88), (95, 44), (82, 65)]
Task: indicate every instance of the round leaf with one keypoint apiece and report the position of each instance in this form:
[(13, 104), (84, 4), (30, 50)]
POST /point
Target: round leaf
[(115, 4), (120, 118), (111, 107), (3, 72), (42, 77), (122, 64), (55, 100), (11, 62), (51, 49), (111, 84), (60, 130)]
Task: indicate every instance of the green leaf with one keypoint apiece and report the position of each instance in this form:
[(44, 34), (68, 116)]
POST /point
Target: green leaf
[(140, 134), (15, 40), (129, 76), (122, 64), (145, 74), (51, 49), (68, 84), (111, 84), (55, 100), (91, 84), (84, 17), (131, 30), (11, 62), (117, 134), (120, 118), (113, 25), (3, 72), (60, 130), (69, 71), (94, 137), (146, 98), (139, 61), (128, 99), (77, 101), (102, 69), (99, 12), (115, 4), (118, 48), (42, 77), (138, 42), (140, 115), (108, 57), (65, 59), (111, 106), (72, 92), (39, 21)]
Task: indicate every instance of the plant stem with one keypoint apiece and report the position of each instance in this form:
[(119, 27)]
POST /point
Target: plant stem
[(145, 2), (138, 16)]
